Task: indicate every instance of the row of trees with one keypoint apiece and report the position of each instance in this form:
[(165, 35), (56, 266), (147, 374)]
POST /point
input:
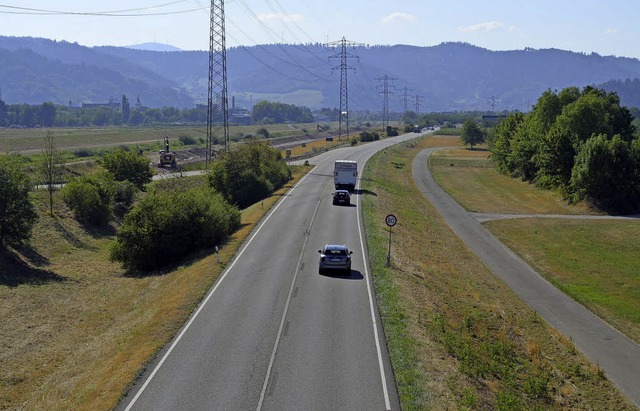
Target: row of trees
[(580, 142)]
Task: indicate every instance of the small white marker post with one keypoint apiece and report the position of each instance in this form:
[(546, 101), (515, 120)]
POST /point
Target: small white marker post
[(391, 220), (218, 254)]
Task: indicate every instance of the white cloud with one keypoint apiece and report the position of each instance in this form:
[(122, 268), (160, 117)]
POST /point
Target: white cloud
[(482, 27), (398, 16), (280, 17), (611, 31)]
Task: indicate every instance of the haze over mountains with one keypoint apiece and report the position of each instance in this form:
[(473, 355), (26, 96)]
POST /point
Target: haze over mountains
[(446, 77)]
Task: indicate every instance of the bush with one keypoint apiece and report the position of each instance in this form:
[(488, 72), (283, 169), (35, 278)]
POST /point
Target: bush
[(128, 165), (187, 141), (249, 173), (124, 194), (166, 227), (90, 199), (17, 212), (367, 136)]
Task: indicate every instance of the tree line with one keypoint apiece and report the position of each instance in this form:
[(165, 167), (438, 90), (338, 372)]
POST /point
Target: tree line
[(581, 143), (51, 115)]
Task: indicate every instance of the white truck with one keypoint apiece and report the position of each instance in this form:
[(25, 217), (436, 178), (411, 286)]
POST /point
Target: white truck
[(345, 174)]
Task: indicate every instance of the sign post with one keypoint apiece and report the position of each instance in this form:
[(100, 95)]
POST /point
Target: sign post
[(391, 220)]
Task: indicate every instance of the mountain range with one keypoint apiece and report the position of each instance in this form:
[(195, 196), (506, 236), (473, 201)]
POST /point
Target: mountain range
[(445, 77)]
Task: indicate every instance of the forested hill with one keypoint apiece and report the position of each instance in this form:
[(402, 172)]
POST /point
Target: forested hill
[(446, 77)]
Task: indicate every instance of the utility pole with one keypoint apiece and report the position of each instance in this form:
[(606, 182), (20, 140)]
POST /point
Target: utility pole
[(343, 125), (417, 100), (492, 103), (405, 98), (217, 101), (386, 89)]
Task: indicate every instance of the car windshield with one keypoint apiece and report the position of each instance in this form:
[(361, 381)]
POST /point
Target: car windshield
[(335, 252)]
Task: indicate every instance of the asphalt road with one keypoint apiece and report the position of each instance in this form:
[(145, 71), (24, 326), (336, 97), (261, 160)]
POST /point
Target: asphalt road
[(274, 334), (614, 353)]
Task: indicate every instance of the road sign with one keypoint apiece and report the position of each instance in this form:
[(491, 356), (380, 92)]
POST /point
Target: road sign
[(391, 220)]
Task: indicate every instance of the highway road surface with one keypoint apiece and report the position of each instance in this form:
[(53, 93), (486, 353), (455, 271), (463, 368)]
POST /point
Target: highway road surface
[(613, 352), (274, 334)]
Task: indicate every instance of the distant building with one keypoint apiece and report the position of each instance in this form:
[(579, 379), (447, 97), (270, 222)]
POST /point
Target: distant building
[(111, 104)]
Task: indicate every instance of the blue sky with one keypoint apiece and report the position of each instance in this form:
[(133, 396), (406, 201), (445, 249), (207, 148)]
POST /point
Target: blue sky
[(607, 28)]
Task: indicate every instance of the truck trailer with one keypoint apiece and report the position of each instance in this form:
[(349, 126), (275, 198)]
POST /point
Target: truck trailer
[(345, 174)]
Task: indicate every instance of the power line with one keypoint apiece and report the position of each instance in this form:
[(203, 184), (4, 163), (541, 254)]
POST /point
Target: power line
[(112, 13)]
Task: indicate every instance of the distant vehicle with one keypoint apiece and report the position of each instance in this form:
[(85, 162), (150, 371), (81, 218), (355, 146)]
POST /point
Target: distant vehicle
[(335, 257), (167, 157), (345, 174), (341, 197), (416, 129)]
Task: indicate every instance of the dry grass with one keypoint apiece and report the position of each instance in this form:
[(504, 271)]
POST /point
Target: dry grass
[(470, 178), (458, 337), (76, 328)]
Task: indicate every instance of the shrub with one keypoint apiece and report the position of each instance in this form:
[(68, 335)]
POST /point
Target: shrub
[(249, 173), (166, 227), (90, 199), (187, 141), (17, 212), (124, 194), (128, 165)]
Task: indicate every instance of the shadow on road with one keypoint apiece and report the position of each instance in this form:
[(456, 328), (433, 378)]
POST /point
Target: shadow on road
[(342, 275)]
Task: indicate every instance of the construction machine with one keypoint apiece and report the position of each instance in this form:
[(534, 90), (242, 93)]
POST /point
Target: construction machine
[(167, 157)]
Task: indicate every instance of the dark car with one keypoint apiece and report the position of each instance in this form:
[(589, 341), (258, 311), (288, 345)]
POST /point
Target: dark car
[(341, 197), (335, 256)]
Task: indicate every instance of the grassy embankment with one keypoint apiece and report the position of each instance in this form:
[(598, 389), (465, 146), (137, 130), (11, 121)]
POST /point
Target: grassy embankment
[(458, 337), (76, 328), (593, 261)]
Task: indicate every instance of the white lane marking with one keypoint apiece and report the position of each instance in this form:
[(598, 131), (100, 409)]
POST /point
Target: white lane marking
[(286, 306), (213, 290), (373, 314)]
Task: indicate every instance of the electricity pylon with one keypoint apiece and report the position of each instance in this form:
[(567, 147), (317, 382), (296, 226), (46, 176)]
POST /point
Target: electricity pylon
[(217, 101), (343, 125), (386, 89)]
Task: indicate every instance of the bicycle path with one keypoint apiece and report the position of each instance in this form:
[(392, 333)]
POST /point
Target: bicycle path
[(617, 355)]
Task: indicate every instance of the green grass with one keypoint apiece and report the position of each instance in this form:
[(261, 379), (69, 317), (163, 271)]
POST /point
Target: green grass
[(458, 337), (595, 262), (469, 177)]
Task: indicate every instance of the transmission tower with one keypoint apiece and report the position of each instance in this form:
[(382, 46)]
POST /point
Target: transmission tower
[(343, 126), (417, 100), (385, 89), (405, 99), (217, 101), (493, 101)]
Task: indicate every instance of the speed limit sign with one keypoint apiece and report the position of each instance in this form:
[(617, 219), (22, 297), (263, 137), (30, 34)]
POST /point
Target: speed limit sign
[(391, 220)]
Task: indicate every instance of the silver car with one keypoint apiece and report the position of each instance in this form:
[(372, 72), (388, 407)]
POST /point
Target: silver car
[(335, 256)]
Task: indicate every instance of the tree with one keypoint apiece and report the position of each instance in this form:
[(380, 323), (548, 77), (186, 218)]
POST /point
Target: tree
[(472, 134), (606, 174), (126, 109), (17, 212), (48, 113), (249, 173), (127, 165), (50, 167)]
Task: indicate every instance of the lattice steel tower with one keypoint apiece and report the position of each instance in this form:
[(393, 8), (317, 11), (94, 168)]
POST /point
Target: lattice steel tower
[(217, 101), (343, 125), (386, 89)]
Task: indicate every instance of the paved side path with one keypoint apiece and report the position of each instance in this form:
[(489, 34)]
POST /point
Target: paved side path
[(616, 354)]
